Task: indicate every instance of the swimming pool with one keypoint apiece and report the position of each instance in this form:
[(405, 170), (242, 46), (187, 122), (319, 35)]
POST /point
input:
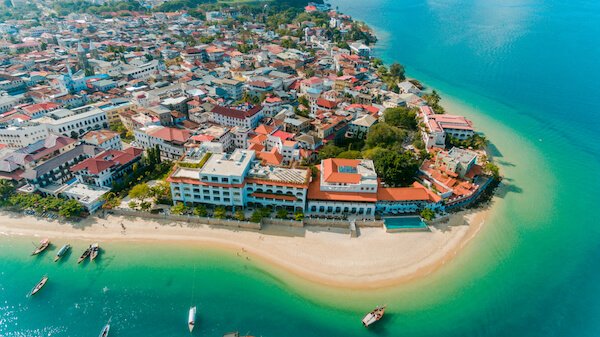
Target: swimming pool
[(402, 223)]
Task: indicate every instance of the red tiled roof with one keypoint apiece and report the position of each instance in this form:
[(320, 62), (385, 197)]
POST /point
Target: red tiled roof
[(171, 134), (315, 193), (331, 172), (235, 113)]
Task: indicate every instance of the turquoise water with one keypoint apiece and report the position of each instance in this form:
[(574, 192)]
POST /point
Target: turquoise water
[(404, 222), (527, 73)]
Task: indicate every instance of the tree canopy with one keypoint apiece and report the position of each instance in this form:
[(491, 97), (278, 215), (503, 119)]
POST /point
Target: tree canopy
[(384, 135), (401, 117), (394, 168)]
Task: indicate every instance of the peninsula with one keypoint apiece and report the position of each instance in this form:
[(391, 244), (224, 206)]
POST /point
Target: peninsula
[(165, 120)]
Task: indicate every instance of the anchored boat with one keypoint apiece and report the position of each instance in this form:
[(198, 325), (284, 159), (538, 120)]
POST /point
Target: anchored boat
[(85, 254), (62, 252), (41, 247), (95, 249), (373, 316), (192, 318), (39, 286), (104, 332)]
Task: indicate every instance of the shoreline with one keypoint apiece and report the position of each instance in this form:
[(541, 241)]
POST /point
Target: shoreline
[(325, 257)]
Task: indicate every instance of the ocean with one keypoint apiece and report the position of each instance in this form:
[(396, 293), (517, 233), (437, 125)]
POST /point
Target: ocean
[(527, 73)]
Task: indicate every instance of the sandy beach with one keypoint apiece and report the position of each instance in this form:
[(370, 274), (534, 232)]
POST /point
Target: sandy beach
[(375, 259)]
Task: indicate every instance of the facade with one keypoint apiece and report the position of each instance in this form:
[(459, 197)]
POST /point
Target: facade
[(74, 123), (344, 186), (105, 139), (169, 140), (438, 127), (219, 182), (107, 167), (238, 180), (56, 171), (247, 117)]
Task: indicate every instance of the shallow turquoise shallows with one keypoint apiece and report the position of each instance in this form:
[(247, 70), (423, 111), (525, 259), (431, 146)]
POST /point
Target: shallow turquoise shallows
[(528, 73)]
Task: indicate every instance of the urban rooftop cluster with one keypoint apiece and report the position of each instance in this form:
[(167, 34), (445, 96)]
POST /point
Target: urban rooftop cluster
[(232, 106)]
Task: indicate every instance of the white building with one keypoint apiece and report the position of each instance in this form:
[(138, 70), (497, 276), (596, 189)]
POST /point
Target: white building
[(105, 139), (344, 186), (170, 141), (247, 118)]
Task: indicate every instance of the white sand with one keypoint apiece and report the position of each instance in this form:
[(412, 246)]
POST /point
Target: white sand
[(374, 259)]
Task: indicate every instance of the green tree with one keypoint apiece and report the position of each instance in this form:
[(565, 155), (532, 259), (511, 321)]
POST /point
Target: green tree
[(384, 135), (239, 215), (220, 212), (179, 208), (71, 208), (396, 169), (397, 71), (145, 205), (401, 117), (132, 204), (493, 169), (329, 151), (6, 188), (200, 211), (140, 192), (433, 100), (298, 216), (256, 216), (282, 214), (351, 154), (427, 214)]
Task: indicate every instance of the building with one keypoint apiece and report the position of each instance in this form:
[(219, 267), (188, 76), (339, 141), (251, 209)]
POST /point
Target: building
[(50, 175), (107, 167), (238, 180), (76, 122), (233, 88), (220, 181), (457, 160), (243, 116), (105, 139), (439, 126), (361, 126), (170, 141), (344, 186)]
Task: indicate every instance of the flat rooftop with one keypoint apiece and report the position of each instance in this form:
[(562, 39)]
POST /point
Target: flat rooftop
[(279, 174), (234, 164)]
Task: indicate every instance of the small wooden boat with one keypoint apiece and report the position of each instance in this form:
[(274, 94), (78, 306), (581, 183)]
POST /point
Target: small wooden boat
[(95, 249), (45, 243), (373, 316), (192, 318), (39, 286), (85, 254), (104, 332), (234, 334), (62, 252)]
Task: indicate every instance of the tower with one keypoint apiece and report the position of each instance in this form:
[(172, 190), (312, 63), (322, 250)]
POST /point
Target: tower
[(93, 51)]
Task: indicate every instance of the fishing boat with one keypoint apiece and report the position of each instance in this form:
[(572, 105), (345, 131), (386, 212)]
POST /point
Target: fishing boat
[(85, 254), (39, 285), (104, 332), (62, 252), (234, 334), (373, 316), (41, 247), (95, 249), (192, 318)]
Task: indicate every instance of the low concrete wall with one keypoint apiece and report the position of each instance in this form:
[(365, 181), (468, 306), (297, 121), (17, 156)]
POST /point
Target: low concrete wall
[(194, 220), (316, 222), (370, 223), (282, 222)]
